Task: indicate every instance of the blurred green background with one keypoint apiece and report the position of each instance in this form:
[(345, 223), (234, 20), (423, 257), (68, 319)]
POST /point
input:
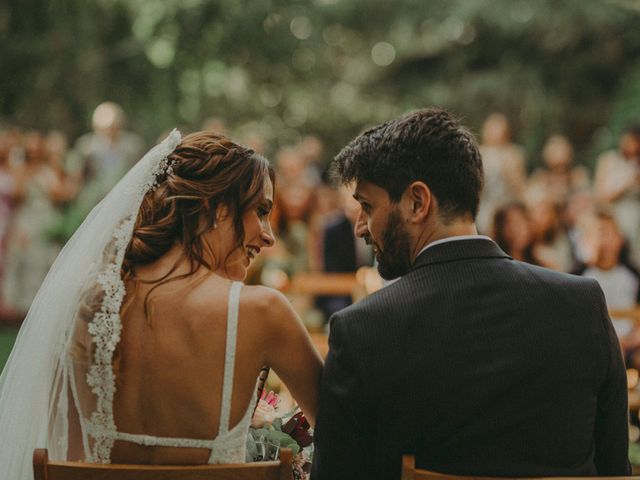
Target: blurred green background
[(282, 69)]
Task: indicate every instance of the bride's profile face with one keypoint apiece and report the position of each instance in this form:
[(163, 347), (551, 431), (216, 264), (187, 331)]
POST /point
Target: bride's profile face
[(257, 235)]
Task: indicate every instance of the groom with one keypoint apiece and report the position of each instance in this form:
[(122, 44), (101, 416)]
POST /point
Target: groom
[(475, 363)]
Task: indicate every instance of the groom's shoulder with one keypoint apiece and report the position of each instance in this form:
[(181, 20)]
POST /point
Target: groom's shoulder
[(554, 277), (562, 289)]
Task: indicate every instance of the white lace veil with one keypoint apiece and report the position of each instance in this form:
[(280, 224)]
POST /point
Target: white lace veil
[(56, 390)]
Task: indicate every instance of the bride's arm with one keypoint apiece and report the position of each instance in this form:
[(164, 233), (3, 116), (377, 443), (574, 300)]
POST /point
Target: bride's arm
[(291, 352)]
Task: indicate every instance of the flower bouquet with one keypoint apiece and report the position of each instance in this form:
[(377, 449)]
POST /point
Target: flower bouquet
[(271, 430)]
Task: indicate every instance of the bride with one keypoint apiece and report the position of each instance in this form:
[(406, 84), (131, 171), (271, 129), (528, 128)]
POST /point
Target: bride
[(143, 345)]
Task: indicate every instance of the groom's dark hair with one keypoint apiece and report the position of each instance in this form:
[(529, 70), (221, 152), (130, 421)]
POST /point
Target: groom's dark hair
[(429, 146)]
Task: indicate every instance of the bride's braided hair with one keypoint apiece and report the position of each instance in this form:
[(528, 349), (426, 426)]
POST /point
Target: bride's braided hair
[(208, 171)]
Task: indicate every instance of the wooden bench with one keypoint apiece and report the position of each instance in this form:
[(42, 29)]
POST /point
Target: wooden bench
[(410, 472), (44, 469)]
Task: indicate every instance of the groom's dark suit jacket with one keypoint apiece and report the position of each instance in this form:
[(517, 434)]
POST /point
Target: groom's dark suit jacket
[(476, 364)]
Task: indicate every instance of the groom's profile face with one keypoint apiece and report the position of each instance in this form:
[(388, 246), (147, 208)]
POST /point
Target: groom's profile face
[(380, 223)]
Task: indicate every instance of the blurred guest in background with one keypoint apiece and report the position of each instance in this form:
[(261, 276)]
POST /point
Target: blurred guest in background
[(342, 252), (30, 251), (559, 178), (551, 244), (327, 205), (617, 183), (8, 192), (311, 149), (512, 232), (302, 162), (293, 205), (579, 205), (14, 147), (292, 168), (608, 262), (96, 163), (58, 150), (291, 215), (504, 169), (293, 209), (100, 158), (215, 124)]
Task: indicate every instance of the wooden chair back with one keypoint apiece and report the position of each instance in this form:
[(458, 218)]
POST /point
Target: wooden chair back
[(410, 472), (44, 469)]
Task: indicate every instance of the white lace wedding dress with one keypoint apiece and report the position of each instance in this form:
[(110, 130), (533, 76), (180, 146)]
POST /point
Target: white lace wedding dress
[(229, 446)]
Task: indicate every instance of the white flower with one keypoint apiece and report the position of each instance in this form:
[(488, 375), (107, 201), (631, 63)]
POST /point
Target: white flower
[(265, 414)]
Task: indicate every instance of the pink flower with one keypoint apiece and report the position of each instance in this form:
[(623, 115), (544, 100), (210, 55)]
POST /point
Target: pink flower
[(271, 398)]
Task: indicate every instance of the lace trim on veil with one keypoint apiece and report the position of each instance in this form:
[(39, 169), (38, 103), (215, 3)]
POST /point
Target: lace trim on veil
[(106, 325)]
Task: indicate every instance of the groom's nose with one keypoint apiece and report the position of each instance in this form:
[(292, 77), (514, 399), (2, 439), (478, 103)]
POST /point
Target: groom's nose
[(360, 228)]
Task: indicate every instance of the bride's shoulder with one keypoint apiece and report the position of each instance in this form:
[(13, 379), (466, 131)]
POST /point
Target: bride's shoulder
[(270, 313), (268, 305), (263, 299)]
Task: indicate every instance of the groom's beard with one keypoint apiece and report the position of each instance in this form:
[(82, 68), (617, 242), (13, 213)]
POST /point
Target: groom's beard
[(394, 261)]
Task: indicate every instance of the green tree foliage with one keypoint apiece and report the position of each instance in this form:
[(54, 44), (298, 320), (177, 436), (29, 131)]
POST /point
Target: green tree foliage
[(281, 68)]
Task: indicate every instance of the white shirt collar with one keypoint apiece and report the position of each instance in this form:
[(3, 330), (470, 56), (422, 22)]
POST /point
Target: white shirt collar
[(453, 239)]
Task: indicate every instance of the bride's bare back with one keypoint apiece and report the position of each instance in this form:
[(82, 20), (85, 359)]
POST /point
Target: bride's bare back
[(171, 367)]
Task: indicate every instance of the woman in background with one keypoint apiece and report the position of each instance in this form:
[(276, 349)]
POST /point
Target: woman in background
[(512, 232)]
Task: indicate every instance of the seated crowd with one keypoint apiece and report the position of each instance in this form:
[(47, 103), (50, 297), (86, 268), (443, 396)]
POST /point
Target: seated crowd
[(557, 216)]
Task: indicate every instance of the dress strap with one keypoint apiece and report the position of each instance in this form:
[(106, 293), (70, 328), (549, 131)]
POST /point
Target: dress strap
[(229, 355)]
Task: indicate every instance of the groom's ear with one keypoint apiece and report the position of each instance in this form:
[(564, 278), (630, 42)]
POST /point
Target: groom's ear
[(420, 201)]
